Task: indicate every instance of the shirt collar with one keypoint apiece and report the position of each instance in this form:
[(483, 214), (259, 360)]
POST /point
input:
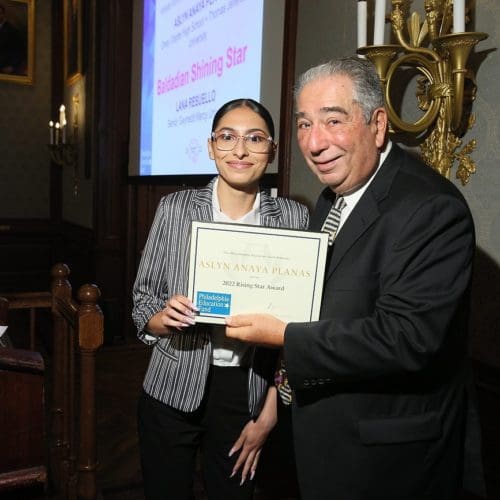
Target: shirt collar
[(352, 198), (252, 217)]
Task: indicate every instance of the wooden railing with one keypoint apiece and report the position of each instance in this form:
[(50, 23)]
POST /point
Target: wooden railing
[(31, 301), (78, 332), (22, 459)]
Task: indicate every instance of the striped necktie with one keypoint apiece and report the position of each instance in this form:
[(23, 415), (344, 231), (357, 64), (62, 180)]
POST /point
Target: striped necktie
[(332, 221)]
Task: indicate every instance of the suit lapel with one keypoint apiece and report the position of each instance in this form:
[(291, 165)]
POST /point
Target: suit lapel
[(270, 213), (361, 218), (201, 209), (366, 211), (321, 210)]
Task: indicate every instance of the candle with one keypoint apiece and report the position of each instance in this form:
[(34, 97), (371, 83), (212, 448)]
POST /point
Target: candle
[(58, 128), (379, 23), (458, 16), (51, 132), (362, 23), (63, 134), (62, 115)]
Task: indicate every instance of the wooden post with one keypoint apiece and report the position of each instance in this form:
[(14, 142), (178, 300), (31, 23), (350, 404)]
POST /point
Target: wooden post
[(90, 338), (59, 447)]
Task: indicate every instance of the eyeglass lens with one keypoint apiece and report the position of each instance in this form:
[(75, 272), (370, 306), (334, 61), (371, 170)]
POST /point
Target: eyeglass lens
[(253, 142)]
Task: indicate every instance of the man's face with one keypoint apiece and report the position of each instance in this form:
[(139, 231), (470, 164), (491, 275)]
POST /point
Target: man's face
[(337, 144)]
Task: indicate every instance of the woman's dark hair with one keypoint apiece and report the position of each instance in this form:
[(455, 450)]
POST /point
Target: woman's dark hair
[(245, 103)]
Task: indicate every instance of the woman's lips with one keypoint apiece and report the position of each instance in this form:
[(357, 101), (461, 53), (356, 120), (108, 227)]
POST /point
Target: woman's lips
[(239, 165)]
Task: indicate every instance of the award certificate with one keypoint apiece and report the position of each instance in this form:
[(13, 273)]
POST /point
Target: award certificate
[(235, 268)]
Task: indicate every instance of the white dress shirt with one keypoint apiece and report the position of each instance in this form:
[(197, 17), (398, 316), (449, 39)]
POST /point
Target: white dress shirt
[(226, 351), (352, 199)]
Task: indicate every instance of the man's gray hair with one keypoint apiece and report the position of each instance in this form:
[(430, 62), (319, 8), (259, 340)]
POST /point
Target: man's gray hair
[(368, 92)]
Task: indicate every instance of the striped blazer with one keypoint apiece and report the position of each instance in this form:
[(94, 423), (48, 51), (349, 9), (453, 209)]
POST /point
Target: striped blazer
[(180, 361)]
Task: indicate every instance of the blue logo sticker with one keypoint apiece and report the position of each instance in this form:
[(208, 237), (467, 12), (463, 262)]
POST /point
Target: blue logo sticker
[(214, 303)]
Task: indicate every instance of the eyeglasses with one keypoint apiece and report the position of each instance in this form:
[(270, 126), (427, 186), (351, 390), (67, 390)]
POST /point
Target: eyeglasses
[(255, 143)]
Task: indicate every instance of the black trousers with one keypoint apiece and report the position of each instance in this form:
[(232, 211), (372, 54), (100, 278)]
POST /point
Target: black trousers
[(169, 440)]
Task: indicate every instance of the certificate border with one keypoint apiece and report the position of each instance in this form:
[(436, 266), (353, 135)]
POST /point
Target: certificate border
[(320, 238)]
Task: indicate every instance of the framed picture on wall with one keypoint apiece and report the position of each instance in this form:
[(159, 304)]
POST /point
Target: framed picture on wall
[(17, 41), (72, 40)]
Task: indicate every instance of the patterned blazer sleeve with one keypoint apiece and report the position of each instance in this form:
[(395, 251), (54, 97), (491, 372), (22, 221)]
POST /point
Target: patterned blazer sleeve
[(150, 288), (164, 265)]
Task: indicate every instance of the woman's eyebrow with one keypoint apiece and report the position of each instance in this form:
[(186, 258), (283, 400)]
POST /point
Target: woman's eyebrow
[(247, 131)]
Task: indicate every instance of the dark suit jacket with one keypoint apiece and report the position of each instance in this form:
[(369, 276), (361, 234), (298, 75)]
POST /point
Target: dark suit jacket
[(379, 381)]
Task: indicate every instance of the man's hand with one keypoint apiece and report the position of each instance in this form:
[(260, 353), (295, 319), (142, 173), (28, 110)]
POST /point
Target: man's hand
[(261, 329)]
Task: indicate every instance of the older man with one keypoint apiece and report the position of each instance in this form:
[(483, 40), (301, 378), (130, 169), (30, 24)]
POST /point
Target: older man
[(379, 381)]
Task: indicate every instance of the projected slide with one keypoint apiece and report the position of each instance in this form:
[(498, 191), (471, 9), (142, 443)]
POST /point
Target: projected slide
[(197, 54)]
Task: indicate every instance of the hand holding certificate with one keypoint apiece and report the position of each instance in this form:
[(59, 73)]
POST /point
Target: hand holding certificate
[(237, 269)]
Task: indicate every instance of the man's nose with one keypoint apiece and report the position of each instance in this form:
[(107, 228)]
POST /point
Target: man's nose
[(317, 139)]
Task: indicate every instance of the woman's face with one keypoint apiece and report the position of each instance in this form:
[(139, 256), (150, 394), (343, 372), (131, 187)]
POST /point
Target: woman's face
[(239, 167)]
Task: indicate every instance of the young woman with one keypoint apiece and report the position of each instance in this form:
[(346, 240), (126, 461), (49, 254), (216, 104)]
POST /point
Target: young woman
[(203, 391)]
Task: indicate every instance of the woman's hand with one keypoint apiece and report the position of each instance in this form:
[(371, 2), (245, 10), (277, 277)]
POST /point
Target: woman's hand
[(177, 314), (250, 443), (252, 438)]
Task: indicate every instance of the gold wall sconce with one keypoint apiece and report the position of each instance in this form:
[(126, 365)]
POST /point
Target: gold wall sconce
[(63, 146), (438, 49)]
